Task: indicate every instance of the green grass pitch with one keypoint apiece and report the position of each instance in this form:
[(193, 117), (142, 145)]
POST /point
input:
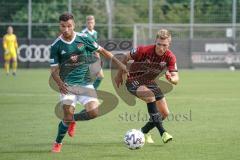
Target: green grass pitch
[(204, 122)]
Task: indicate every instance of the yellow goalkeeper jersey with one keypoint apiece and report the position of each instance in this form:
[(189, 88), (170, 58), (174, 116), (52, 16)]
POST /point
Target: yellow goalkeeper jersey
[(10, 43)]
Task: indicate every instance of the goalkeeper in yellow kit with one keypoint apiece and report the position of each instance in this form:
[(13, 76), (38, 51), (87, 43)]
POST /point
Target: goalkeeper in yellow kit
[(10, 47)]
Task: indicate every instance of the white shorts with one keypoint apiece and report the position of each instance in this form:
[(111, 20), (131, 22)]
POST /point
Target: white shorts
[(81, 94)]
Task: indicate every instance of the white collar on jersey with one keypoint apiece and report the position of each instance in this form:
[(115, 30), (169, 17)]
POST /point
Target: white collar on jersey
[(90, 32), (68, 42)]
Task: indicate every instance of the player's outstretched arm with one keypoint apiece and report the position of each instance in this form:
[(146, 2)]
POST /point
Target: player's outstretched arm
[(109, 55), (55, 74), (121, 75)]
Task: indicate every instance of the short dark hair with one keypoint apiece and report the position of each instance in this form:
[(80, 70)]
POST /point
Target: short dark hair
[(65, 17)]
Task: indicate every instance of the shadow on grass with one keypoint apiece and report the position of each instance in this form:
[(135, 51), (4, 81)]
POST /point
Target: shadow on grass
[(45, 148), (41, 147), (28, 148), (26, 151)]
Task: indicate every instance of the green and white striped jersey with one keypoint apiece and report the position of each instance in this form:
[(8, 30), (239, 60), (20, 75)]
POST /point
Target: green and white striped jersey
[(92, 34), (74, 58)]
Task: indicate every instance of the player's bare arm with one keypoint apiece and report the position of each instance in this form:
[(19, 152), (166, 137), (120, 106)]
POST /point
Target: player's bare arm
[(121, 74), (55, 74), (109, 55), (172, 77)]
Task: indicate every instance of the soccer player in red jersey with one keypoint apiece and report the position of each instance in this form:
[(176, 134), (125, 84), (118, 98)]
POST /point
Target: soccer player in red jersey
[(148, 62)]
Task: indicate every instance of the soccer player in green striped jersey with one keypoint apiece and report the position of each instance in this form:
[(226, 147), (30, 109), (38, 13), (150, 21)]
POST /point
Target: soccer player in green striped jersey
[(91, 32), (70, 69)]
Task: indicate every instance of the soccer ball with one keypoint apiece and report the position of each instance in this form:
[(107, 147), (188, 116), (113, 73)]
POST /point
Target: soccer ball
[(134, 139)]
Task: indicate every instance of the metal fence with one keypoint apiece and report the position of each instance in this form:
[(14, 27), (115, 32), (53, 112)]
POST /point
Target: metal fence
[(39, 19), (196, 34), (211, 45)]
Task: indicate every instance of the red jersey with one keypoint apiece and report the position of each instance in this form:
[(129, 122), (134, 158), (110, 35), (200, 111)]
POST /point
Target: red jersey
[(148, 65)]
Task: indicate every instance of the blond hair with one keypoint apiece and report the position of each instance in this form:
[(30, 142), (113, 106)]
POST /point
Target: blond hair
[(164, 34), (90, 17)]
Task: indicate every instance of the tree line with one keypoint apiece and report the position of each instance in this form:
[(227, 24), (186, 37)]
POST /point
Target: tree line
[(125, 14)]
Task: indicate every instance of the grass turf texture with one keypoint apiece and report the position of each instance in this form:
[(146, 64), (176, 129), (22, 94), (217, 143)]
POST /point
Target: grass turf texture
[(205, 107)]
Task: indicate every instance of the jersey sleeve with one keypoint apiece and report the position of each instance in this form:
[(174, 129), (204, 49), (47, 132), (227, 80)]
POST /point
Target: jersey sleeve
[(172, 64), (136, 53), (54, 56)]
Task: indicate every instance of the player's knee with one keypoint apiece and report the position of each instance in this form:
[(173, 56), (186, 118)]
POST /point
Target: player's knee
[(92, 109), (145, 94), (143, 90), (93, 113), (149, 99), (68, 110), (165, 114), (68, 119), (68, 113)]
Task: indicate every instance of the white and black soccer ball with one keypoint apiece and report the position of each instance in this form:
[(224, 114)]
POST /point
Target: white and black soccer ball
[(134, 139)]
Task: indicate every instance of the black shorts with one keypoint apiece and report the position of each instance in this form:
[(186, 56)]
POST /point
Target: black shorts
[(134, 85)]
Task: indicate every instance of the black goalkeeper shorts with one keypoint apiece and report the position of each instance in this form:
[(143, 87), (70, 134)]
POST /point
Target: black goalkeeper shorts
[(134, 85)]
